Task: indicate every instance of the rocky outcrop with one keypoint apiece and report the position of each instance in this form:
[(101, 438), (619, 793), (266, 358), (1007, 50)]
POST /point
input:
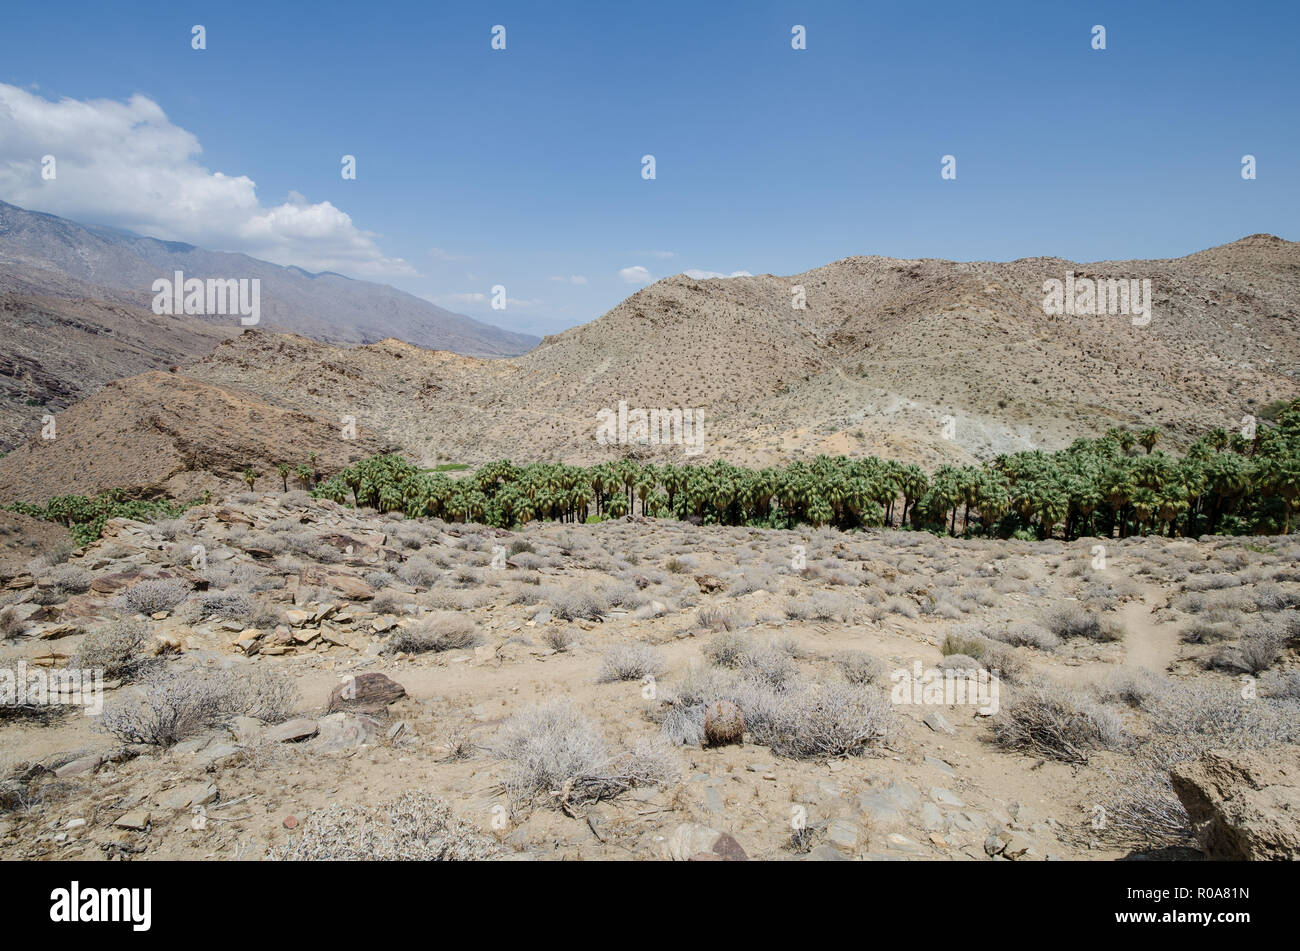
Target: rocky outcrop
[(1244, 805)]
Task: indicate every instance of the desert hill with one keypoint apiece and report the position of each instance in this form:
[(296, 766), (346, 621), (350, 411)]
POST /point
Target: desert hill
[(57, 351), (883, 351), (164, 432)]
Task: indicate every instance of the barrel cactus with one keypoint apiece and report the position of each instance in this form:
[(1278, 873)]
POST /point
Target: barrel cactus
[(723, 724)]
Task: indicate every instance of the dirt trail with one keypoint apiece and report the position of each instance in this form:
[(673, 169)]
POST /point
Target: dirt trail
[(1148, 643)]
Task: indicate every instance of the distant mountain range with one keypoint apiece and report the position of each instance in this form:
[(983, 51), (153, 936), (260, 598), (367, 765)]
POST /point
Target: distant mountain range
[(47, 256)]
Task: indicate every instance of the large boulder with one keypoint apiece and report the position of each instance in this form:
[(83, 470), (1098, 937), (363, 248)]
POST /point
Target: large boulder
[(1244, 805), (369, 693)]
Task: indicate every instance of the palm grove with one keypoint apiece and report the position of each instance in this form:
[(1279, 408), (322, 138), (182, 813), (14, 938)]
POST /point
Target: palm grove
[(1117, 485)]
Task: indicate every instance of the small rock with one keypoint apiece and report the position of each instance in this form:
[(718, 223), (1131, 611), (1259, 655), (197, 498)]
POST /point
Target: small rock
[(80, 766), (136, 820), (937, 722), (293, 731), (843, 834), (344, 731), (688, 839), (729, 849), (183, 797)]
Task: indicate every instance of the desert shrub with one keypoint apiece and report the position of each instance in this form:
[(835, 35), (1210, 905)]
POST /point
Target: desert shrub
[(821, 606), (1077, 621), (1272, 597), (821, 721), (798, 720), (558, 639), (631, 661), (1253, 655), (750, 582), (117, 648), (769, 665), (981, 596), (56, 555), (1283, 686), (1058, 723), (419, 572), (170, 528), (529, 561), (388, 602), (720, 619), (555, 749), (1206, 715), (11, 625), (378, 580), (436, 632), (959, 662), (726, 649), (1027, 634), (858, 667), (683, 724), (963, 644), (466, 578), (153, 595), (1007, 663), (942, 608), (1211, 581), (71, 579), (268, 695), (1260, 652), (524, 593), (1141, 807), (624, 596), (230, 605), (1138, 688), (896, 605), (413, 827), (572, 604), (176, 703), (1202, 630)]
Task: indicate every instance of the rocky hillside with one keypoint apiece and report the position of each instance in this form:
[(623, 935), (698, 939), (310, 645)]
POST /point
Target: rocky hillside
[(56, 351), (165, 433), (884, 350)]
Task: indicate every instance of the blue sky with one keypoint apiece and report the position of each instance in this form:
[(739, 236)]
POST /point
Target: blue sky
[(522, 167)]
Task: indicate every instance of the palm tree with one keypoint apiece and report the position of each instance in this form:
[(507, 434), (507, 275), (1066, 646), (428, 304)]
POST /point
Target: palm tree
[(283, 469), (249, 475), (1148, 438)]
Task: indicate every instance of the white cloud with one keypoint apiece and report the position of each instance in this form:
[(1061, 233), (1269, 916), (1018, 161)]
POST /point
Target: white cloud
[(571, 279), (699, 275), (634, 275), (126, 164), (657, 254)]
